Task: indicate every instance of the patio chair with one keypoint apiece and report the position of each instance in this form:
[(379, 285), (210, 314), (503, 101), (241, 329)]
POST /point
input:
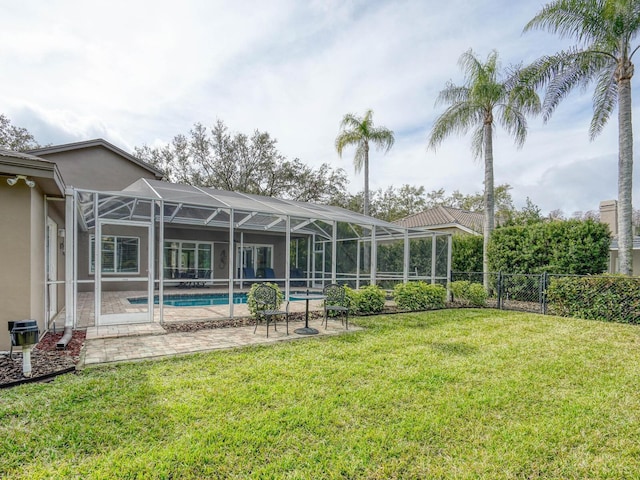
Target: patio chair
[(266, 298), (248, 273), (296, 273), (335, 301), (269, 273)]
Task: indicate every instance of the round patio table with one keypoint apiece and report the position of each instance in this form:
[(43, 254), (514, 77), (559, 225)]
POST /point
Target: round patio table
[(306, 330)]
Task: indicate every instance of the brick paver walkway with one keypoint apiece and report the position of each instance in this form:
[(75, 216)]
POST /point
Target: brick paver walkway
[(122, 343)]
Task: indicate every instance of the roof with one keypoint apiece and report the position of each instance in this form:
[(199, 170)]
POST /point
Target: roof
[(210, 197), (202, 206), (98, 142), (45, 172), (443, 217)]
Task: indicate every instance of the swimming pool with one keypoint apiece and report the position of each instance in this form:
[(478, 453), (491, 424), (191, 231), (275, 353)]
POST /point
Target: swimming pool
[(194, 299)]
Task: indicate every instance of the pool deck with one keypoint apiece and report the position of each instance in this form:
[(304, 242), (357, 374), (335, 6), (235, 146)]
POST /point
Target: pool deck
[(115, 303)]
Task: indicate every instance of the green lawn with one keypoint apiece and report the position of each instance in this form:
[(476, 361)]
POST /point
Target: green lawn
[(446, 394)]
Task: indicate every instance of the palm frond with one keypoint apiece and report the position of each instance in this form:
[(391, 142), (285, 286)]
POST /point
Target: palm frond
[(477, 142), (580, 19), (559, 74), (605, 99), (382, 138), (513, 121), (458, 119), (345, 139), (452, 94)]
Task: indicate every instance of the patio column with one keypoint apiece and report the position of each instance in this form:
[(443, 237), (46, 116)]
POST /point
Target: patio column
[(97, 262), (358, 245), (287, 258), (162, 265), (407, 257), (70, 280), (334, 251), (374, 255), (433, 259), (232, 254), (309, 250), (449, 260)]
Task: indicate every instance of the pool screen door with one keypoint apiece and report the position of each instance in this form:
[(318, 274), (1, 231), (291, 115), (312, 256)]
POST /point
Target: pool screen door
[(123, 265)]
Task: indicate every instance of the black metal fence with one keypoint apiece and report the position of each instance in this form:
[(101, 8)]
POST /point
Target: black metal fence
[(523, 292)]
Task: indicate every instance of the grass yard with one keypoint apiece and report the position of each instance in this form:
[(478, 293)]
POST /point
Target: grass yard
[(445, 394)]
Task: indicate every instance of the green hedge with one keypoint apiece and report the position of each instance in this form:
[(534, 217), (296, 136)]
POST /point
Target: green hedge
[(366, 300), (578, 247), (469, 293), (419, 296), (612, 298), (466, 253)]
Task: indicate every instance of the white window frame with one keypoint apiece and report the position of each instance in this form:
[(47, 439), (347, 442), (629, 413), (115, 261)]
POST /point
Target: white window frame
[(115, 253), (197, 244), (254, 254)]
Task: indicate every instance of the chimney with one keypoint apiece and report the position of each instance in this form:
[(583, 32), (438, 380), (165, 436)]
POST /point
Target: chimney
[(609, 215)]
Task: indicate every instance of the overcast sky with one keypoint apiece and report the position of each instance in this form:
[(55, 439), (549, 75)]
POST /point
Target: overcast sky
[(140, 72)]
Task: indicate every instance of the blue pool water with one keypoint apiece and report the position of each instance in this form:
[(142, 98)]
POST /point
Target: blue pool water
[(193, 300)]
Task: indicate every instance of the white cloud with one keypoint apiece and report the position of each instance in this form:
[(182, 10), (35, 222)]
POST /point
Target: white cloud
[(142, 72)]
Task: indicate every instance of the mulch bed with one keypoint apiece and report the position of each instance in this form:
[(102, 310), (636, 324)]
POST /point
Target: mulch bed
[(175, 327), (45, 359)]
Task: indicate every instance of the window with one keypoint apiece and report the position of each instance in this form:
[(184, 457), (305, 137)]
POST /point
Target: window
[(257, 257), (118, 254), (187, 258)]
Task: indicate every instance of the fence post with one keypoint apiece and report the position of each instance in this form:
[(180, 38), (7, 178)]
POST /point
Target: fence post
[(543, 293), (499, 305)]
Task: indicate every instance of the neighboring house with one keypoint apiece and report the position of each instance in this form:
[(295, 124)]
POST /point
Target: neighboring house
[(56, 201), (446, 219), (609, 215)]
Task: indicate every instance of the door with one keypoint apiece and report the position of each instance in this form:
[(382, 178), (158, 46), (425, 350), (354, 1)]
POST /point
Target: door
[(123, 265)]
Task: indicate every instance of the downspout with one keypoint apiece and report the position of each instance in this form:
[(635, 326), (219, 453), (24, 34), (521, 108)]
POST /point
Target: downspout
[(69, 271)]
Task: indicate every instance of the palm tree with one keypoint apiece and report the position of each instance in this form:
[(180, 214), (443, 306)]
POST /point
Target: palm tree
[(483, 99), (359, 132), (604, 30)]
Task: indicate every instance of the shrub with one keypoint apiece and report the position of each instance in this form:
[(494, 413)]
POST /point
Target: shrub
[(460, 289), (612, 298), (251, 301), (419, 296), (477, 295), (367, 300), (466, 253), (469, 293), (579, 247)]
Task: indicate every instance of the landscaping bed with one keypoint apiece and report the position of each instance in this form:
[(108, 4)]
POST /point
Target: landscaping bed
[(46, 360)]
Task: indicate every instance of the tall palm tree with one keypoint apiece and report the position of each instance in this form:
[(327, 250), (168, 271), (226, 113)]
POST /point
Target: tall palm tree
[(605, 31), (486, 97), (359, 132)]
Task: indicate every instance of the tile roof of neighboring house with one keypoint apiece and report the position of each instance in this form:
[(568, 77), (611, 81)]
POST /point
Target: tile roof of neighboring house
[(98, 142), (442, 217)]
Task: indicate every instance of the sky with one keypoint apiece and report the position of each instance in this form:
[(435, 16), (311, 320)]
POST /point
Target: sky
[(140, 72)]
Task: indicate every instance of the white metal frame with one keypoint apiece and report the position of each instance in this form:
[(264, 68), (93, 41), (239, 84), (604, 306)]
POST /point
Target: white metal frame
[(105, 318)]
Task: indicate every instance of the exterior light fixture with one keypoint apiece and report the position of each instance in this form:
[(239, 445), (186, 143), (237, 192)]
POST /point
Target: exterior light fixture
[(13, 180)]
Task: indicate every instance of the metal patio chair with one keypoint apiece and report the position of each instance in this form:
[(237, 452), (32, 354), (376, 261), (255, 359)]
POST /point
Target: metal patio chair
[(266, 298), (335, 301)]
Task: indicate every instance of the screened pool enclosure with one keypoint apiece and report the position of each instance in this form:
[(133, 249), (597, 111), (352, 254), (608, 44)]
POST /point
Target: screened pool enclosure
[(159, 238)]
